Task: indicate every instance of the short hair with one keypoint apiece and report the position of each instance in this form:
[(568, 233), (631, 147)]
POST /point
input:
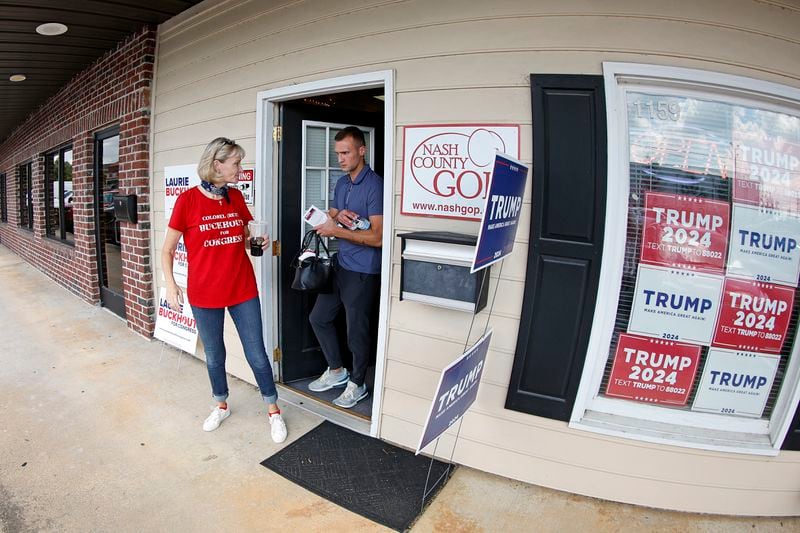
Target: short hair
[(351, 131), (220, 149)]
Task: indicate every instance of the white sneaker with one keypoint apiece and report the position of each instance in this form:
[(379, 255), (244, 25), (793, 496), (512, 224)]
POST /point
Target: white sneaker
[(329, 380), (215, 418), (351, 395), (277, 428)]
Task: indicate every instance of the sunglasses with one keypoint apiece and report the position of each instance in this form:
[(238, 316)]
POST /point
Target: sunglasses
[(225, 142)]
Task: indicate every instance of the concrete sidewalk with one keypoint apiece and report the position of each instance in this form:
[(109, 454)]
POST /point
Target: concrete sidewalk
[(101, 431)]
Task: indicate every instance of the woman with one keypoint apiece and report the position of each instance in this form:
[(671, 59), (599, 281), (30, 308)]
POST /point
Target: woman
[(213, 222)]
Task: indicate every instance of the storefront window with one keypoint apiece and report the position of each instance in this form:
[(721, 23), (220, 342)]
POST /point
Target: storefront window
[(59, 196), (25, 195), (3, 199), (708, 304)]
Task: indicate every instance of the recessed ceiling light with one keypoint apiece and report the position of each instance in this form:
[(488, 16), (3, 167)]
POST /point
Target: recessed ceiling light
[(17, 77), (51, 28)]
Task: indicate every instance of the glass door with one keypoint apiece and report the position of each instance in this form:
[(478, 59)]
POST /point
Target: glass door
[(109, 257)]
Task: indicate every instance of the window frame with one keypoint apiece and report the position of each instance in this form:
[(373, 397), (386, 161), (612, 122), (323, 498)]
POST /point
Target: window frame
[(48, 199), (305, 167), (3, 198), (632, 420), (25, 172)]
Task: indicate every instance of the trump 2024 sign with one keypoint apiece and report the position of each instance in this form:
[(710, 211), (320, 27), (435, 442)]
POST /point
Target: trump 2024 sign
[(456, 392), (501, 215)]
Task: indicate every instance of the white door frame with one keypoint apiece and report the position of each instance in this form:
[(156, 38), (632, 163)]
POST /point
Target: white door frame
[(267, 167)]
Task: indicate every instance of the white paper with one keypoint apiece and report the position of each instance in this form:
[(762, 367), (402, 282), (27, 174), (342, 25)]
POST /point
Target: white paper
[(315, 216)]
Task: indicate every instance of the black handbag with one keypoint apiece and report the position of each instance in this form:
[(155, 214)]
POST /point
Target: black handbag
[(313, 273)]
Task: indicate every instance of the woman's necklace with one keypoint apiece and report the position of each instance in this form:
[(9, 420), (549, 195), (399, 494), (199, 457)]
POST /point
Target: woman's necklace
[(216, 191)]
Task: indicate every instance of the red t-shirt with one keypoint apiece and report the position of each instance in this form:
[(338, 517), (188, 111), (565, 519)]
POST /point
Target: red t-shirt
[(220, 273)]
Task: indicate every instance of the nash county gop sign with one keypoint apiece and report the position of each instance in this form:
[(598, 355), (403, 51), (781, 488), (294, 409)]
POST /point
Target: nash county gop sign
[(457, 390), (501, 213), (446, 168), (685, 231)]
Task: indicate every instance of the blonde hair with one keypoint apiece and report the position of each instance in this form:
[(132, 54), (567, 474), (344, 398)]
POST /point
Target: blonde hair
[(220, 149)]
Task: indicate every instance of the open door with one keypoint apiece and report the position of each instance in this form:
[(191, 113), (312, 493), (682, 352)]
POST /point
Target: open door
[(308, 173)]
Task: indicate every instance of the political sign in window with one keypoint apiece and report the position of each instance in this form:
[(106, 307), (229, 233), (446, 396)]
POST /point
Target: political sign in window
[(764, 245), (753, 316), (677, 305), (735, 382), (685, 231), (767, 168), (653, 370)]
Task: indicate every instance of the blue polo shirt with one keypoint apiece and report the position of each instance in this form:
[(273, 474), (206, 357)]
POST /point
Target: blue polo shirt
[(365, 197)]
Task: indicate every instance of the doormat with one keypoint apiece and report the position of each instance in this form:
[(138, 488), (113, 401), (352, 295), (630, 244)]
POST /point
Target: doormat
[(365, 475)]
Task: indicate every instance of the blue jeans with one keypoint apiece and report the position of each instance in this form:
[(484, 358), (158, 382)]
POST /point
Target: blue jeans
[(247, 318)]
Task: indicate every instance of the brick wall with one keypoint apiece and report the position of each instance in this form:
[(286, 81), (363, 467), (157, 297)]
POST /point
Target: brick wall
[(113, 92)]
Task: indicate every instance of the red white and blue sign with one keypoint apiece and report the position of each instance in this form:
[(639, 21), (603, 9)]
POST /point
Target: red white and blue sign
[(764, 246), (675, 304), (685, 232), (753, 316), (501, 212), (653, 370), (457, 390), (736, 382)]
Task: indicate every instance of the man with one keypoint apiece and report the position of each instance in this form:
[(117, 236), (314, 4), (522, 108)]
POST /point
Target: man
[(358, 197)]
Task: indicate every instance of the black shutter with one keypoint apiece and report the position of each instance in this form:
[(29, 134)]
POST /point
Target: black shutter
[(792, 440), (566, 241)]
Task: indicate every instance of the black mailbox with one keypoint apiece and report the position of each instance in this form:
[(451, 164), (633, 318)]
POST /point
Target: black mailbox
[(125, 207), (435, 270)]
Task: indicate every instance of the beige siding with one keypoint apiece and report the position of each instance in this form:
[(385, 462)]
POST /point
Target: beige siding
[(462, 61)]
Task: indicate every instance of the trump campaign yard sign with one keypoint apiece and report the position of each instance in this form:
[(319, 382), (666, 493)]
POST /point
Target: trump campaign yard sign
[(446, 168), (501, 214), (456, 392)]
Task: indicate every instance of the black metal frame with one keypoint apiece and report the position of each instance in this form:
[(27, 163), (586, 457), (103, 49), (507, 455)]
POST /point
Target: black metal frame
[(57, 176), (113, 301)]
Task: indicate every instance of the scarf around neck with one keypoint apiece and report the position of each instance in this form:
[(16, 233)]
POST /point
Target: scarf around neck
[(216, 191)]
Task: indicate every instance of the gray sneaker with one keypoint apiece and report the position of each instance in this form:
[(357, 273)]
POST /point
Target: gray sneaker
[(329, 380), (351, 395)]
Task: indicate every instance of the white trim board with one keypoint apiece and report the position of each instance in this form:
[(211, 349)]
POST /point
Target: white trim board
[(267, 167), (612, 417)]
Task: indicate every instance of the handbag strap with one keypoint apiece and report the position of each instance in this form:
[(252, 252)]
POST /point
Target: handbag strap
[(306, 245), (320, 241), (307, 240)]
